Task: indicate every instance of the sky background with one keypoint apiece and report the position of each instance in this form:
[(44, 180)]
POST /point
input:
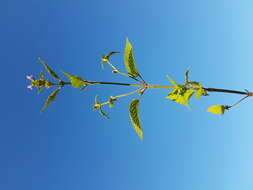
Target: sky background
[(71, 147)]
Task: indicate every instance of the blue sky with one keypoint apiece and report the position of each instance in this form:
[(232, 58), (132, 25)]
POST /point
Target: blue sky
[(70, 147)]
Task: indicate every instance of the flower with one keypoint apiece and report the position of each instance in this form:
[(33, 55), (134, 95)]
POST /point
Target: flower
[(30, 77), (30, 86)]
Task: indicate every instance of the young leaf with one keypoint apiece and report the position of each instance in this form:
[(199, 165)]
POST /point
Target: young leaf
[(111, 53), (105, 58), (129, 60), (103, 113), (172, 81), (181, 95), (49, 70), (41, 76), (195, 84), (76, 81), (200, 92), (134, 116), (98, 106), (50, 98), (217, 109)]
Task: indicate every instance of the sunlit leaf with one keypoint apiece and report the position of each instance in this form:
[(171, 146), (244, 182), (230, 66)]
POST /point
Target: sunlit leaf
[(51, 98), (195, 84), (217, 109), (49, 70), (103, 58), (200, 92), (76, 81), (129, 60), (181, 95), (134, 116)]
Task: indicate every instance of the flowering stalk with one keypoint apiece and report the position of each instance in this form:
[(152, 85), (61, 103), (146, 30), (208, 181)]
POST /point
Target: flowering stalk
[(179, 93)]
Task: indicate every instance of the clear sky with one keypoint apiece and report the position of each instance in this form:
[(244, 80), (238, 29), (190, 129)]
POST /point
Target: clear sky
[(70, 147)]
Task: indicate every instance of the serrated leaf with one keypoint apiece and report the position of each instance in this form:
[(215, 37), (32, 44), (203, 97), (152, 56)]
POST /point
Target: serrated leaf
[(181, 95), (134, 116), (76, 81), (172, 81), (217, 109), (49, 70), (129, 60), (50, 98)]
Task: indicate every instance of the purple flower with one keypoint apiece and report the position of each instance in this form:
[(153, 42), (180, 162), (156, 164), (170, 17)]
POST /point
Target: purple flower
[(30, 86), (29, 77)]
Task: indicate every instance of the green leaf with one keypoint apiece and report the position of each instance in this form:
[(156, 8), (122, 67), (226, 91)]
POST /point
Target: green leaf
[(103, 113), (76, 81), (181, 95), (98, 106), (172, 81), (41, 75), (134, 116), (195, 84), (49, 70), (50, 98), (129, 60), (217, 109), (200, 92), (111, 53)]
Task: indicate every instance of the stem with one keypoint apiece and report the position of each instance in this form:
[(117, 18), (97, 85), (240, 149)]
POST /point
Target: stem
[(165, 87), (125, 74), (227, 91), (122, 95)]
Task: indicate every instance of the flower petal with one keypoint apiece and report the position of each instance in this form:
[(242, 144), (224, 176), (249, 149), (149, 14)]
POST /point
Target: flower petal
[(29, 77), (30, 87)]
